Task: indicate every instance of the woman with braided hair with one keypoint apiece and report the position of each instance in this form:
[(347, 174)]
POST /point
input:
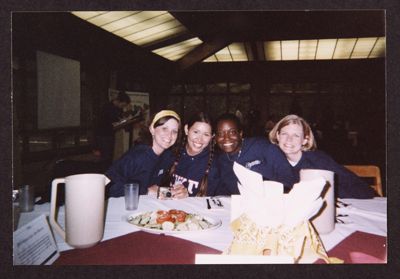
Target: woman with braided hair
[(191, 171)]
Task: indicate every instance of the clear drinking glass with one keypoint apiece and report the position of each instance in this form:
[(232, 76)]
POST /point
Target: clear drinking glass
[(26, 198), (131, 196)]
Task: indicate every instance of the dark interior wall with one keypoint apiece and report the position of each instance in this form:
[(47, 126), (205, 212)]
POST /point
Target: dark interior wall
[(98, 52), (355, 88), (371, 71)]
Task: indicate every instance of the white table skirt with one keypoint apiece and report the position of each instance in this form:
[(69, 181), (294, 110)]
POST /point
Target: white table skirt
[(363, 215)]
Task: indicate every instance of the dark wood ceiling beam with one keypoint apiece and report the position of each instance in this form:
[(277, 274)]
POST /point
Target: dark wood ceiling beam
[(201, 52), (242, 26), (174, 40), (253, 48)]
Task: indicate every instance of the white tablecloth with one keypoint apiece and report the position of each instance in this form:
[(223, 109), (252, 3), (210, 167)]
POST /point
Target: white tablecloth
[(362, 215)]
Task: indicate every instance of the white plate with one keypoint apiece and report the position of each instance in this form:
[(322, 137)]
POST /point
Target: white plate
[(215, 224)]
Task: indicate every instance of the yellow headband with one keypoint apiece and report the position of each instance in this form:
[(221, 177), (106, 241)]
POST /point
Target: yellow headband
[(164, 113)]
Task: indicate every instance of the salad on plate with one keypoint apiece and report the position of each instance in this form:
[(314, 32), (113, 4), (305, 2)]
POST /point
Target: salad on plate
[(172, 221)]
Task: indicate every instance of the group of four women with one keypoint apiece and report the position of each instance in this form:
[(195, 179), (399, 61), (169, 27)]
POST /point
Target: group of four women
[(200, 167)]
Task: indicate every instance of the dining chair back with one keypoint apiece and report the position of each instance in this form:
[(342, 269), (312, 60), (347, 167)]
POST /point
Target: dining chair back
[(368, 171)]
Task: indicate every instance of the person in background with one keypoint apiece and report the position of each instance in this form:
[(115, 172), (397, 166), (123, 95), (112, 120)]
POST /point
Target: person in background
[(104, 134), (254, 126), (191, 171), (140, 162), (140, 128), (294, 138), (239, 114), (269, 124), (253, 153)]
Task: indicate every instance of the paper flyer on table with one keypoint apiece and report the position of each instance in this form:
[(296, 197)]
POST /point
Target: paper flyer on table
[(33, 244)]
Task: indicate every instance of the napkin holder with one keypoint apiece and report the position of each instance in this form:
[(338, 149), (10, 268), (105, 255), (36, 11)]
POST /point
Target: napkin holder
[(300, 243)]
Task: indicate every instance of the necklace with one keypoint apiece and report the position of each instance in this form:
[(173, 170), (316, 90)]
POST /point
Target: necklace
[(240, 152), (238, 156)]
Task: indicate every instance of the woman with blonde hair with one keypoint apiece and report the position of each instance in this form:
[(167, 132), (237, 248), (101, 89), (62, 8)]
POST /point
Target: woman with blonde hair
[(295, 139), (140, 162)]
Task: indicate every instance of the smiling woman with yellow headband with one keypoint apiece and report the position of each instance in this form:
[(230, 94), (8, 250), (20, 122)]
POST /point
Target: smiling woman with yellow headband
[(140, 162)]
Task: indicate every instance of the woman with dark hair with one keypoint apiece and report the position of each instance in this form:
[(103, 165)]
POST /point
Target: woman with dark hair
[(191, 172), (141, 161), (293, 136), (254, 153)]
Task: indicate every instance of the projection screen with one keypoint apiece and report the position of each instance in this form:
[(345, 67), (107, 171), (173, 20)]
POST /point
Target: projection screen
[(59, 90)]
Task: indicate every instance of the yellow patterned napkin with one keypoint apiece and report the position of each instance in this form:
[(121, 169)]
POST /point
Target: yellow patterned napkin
[(272, 223), (300, 243)]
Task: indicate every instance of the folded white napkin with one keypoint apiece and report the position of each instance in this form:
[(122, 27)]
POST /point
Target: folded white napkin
[(303, 201), (266, 204)]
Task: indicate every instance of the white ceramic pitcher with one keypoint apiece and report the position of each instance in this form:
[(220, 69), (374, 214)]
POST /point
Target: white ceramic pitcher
[(324, 221), (84, 209)]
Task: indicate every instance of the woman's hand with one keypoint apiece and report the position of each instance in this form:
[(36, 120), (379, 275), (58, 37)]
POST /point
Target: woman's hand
[(152, 191), (179, 192)]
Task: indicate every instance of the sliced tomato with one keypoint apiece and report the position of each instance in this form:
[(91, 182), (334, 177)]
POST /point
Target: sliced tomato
[(181, 217), (176, 212), (161, 218)]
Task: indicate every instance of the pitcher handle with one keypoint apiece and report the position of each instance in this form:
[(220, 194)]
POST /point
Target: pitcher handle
[(53, 203)]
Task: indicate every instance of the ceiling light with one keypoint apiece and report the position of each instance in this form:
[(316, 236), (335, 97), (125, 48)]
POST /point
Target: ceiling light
[(178, 50), (139, 27)]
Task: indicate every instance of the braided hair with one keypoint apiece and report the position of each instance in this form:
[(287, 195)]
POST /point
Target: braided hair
[(204, 181), (167, 179)]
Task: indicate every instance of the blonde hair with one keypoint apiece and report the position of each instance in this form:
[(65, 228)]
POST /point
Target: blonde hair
[(294, 119), (163, 114)]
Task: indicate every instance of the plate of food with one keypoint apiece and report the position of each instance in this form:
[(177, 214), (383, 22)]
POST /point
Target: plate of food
[(172, 221)]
